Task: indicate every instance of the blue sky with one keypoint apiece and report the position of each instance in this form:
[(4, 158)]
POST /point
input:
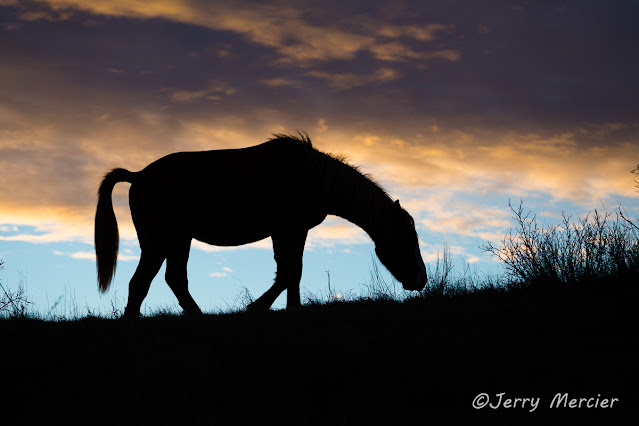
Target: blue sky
[(455, 108)]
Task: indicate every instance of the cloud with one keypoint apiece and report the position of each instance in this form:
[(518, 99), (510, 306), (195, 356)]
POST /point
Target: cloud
[(448, 213), (343, 81), (187, 95), (559, 165), (334, 231), (396, 51), (216, 91), (418, 32), (90, 255), (45, 15), (434, 254), (282, 26), (225, 271), (42, 226), (282, 82)]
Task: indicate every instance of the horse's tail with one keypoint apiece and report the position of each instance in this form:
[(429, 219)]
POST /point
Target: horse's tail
[(107, 237)]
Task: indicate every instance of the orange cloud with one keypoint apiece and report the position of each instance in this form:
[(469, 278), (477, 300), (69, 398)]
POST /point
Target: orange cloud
[(396, 51), (268, 25), (335, 231), (559, 165), (418, 32)]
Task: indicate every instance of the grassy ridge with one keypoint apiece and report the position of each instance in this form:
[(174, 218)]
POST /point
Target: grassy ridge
[(380, 361)]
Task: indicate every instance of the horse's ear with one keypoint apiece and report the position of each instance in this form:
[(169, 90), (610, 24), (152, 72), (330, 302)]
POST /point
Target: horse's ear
[(396, 208)]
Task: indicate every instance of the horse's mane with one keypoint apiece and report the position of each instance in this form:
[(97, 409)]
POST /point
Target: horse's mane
[(304, 139), (301, 137)]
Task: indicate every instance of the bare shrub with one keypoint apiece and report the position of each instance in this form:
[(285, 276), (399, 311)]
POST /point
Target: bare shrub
[(599, 246), (13, 303)]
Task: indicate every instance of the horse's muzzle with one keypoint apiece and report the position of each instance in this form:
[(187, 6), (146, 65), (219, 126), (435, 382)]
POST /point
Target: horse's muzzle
[(418, 284), (422, 279)]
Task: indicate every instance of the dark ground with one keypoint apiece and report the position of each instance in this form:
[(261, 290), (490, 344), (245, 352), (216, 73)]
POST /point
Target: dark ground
[(382, 362)]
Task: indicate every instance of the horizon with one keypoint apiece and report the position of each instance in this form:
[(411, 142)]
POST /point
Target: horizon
[(455, 109)]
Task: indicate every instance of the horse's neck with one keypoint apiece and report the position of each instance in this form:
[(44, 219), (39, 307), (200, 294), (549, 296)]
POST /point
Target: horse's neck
[(366, 206)]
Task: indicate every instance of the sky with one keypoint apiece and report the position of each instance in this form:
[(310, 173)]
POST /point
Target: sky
[(456, 107)]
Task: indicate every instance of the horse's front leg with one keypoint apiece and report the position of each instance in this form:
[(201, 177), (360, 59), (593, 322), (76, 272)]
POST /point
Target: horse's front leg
[(288, 249)]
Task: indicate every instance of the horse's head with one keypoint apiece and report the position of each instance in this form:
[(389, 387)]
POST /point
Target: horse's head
[(400, 250)]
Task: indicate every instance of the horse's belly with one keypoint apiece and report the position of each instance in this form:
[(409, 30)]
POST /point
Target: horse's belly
[(229, 240), (230, 234)]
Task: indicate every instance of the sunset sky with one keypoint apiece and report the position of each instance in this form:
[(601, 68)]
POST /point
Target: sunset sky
[(456, 107)]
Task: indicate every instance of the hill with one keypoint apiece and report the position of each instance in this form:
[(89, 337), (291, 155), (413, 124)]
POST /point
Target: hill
[(421, 361)]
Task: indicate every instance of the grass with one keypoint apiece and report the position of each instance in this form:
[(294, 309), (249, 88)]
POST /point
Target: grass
[(383, 357), (377, 361)]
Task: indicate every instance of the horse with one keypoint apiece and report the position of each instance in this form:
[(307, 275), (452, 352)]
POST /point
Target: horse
[(281, 188)]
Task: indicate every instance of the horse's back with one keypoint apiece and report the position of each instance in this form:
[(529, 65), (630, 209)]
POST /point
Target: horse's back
[(276, 165), (231, 196)]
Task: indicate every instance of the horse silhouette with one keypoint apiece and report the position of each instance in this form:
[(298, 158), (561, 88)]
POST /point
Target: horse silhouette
[(280, 188)]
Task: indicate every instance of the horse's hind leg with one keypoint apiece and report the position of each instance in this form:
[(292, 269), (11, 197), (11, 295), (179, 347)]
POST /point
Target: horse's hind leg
[(176, 276), (288, 250), (150, 263)]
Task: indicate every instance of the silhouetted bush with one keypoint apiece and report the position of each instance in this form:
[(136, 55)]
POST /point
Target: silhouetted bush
[(598, 247), (13, 303)]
